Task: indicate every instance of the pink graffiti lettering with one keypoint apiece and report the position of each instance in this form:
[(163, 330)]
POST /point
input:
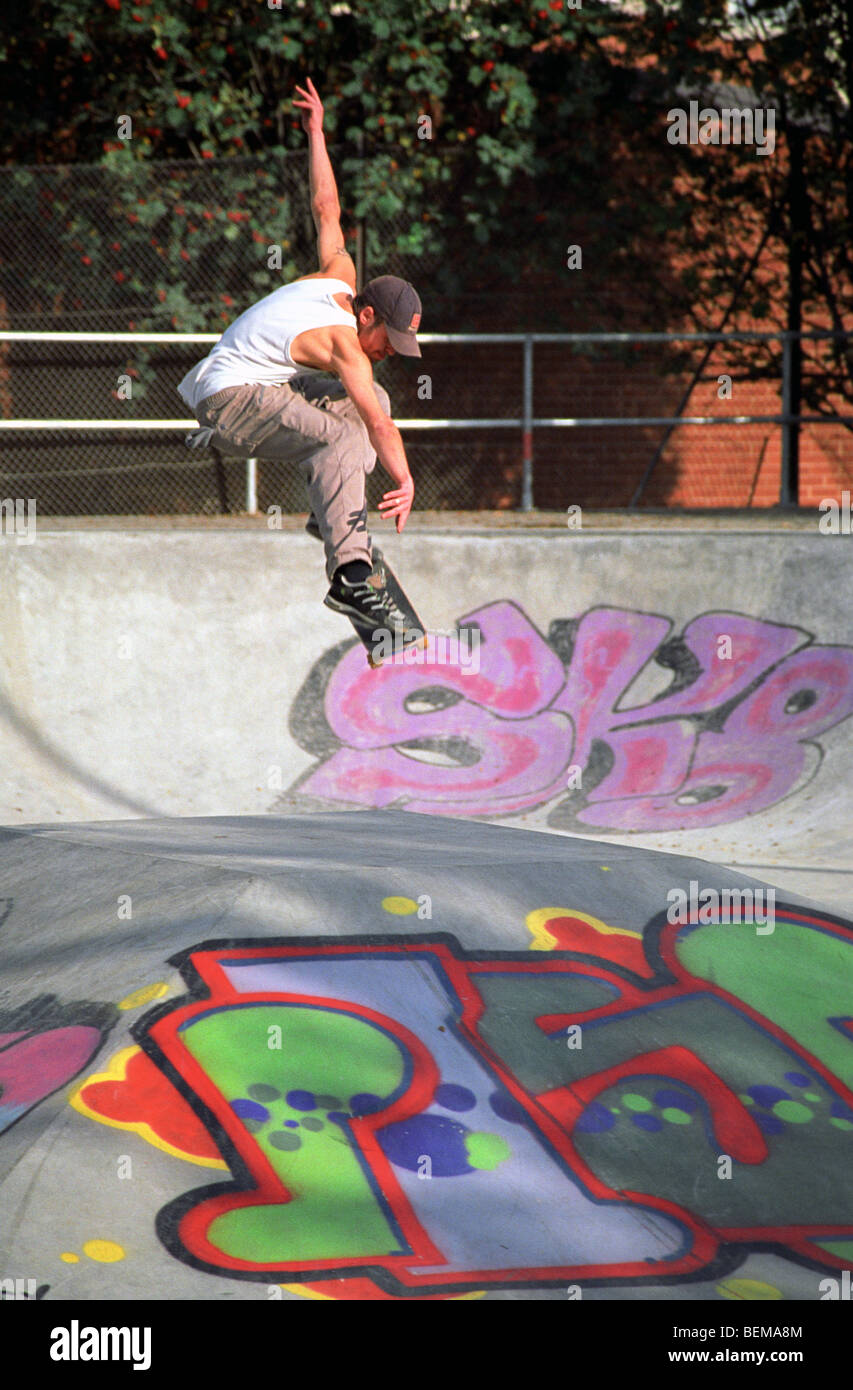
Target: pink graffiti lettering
[(724, 739)]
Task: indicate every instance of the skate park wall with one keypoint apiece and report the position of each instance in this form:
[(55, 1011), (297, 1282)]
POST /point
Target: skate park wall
[(680, 691)]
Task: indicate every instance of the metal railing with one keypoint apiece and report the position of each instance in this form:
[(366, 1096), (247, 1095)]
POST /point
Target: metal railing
[(527, 422)]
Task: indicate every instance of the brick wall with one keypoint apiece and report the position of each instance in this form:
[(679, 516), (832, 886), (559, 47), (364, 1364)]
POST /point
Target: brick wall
[(724, 465)]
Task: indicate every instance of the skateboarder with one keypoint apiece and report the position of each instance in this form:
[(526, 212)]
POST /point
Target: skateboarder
[(292, 379)]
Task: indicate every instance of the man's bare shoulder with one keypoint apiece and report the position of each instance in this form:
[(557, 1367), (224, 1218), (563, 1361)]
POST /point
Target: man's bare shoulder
[(339, 266), (320, 347)]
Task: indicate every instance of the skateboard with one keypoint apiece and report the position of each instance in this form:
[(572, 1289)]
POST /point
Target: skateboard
[(378, 649)]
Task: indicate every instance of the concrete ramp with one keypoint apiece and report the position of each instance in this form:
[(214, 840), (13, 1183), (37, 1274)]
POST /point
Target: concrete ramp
[(683, 690), (383, 1055), (518, 969)]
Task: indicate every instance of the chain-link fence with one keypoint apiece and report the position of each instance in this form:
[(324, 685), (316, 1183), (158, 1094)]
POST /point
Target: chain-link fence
[(185, 247), (627, 390), (160, 246)]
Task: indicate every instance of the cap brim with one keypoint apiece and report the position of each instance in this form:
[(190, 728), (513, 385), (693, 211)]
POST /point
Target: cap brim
[(404, 343)]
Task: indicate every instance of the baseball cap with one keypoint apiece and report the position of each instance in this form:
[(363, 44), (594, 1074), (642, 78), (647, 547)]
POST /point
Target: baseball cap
[(396, 302)]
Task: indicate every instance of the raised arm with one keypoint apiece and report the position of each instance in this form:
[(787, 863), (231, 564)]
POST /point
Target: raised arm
[(332, 255), (349, 363)]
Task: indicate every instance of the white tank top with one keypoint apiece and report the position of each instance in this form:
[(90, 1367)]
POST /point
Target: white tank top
[(255, 348)]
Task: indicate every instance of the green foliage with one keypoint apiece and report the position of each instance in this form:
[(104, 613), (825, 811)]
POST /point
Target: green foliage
[(126, 250), (548, 126)]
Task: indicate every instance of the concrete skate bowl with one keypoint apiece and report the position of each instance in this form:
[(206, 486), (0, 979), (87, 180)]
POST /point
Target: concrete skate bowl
[(533, 1034), (386, 1056), (686, 692)]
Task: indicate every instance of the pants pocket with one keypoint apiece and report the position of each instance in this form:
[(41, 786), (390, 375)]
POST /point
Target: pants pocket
[(238, 420)]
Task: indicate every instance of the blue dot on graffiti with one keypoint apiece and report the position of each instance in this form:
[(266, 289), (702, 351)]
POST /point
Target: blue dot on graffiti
[(797, 1078), (595, 1119), (435, 1137), (249, 1109), (451, 1097), (770, 1124), (302, 1100), (676, 1100), (649, 1122), (365, 1103), (768, 1095), (507, 1108), (840, 1111)]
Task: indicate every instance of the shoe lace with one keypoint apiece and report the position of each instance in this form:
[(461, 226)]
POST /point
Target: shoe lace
[(382, 602)]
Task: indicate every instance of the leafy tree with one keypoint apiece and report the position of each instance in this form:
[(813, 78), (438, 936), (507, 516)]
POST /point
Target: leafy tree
[(477, 140), (761, 239)]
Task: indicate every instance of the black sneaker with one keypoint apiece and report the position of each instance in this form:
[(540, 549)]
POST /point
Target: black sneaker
[(371, 606)]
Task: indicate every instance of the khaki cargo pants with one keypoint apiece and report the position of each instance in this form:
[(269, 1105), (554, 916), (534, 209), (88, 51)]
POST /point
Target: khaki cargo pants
[(310, 421)]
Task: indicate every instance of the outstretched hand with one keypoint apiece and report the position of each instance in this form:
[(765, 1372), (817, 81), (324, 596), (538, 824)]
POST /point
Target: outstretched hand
[(312, 108), (398, 503)]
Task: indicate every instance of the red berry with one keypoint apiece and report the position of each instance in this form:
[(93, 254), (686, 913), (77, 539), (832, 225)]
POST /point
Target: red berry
[(161, 52), (487, 67), (183, 102), (87, 260), (119, 275)]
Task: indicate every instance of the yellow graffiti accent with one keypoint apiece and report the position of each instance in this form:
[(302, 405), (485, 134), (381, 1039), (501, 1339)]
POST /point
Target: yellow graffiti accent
[(144, 995), (752, 1290), (543, 940), (400, 907), (117, 1071), (69, 1258), (106, 1252)]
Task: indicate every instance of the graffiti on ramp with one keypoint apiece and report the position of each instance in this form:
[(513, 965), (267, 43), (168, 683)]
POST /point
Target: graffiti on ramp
[(403, 1117), (555, 721)]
